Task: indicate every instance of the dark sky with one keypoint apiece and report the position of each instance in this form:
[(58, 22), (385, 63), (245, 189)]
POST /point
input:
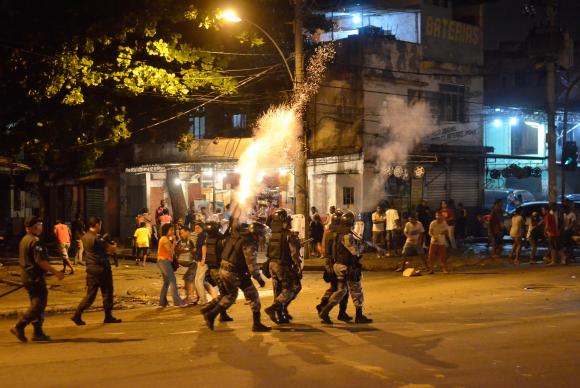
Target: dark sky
[(504, 20)]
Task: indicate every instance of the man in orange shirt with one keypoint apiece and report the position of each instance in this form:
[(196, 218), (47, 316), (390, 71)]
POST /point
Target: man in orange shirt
[(63, 237)]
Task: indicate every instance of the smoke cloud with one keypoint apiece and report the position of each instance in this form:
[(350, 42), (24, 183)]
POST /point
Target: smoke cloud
[(276, 142), (402, 128)]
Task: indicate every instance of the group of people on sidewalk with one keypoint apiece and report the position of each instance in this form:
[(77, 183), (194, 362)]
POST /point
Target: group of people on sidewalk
[(556, 225)]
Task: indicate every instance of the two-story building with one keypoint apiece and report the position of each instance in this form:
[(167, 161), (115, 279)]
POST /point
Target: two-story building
[(425, 51)]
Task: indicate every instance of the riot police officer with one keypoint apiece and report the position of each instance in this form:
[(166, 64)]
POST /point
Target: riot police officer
[(33, 260), (346, 253), (99, 273), (237, 267), (329, 275), (284, 266), (214, 246)]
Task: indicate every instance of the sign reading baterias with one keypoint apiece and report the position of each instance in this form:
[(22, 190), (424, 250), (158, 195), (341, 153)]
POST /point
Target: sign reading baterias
[(446, 40)]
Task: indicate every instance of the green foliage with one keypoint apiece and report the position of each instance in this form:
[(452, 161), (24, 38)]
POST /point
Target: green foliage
[(82, 93)]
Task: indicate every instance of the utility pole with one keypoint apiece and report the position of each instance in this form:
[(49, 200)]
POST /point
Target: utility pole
[(551, 97), (300, 171)]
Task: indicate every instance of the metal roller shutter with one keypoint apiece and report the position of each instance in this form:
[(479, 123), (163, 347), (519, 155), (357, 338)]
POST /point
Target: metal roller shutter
[(95, 202), (434, 189), (464, 185)]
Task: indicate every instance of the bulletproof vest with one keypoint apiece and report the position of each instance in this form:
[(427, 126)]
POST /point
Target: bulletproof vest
[(214, 245), (278, 247), (234, 254), (340, 254)]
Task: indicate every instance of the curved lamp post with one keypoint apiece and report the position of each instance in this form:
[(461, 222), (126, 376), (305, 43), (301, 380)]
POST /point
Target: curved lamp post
[(231, 17)]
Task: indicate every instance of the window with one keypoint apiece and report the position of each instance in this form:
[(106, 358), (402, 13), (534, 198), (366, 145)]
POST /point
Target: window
[(348, 195), (197, 126), (239, 120), (452, 103)]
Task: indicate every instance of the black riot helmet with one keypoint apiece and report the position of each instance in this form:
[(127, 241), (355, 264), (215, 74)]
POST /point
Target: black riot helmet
[(212, 228), (347, 219), (256, 229), (280, 215), (335, 217)]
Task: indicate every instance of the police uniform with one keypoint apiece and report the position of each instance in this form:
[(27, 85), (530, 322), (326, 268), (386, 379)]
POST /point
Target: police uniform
[(284, 267), (99, 277), (330, 277), (214, 246), (31, 254), (347, 270), (237, 268)]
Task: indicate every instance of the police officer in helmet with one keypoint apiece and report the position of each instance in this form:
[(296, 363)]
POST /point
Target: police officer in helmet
[(347, 269), (329, 275), (214, 246), (238, 266), (33, 260), (284, 266)]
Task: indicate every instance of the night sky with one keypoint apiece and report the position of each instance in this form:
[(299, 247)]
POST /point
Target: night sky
[(505, 21)]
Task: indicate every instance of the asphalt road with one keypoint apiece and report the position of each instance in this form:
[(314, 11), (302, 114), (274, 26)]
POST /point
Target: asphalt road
[(472, 330)]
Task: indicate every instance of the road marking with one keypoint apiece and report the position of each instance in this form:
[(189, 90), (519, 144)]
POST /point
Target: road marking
[(185, 332), (115, 333)]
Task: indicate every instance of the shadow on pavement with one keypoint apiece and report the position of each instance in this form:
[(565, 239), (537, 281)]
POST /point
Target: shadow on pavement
[(251, 355), (90, 340)]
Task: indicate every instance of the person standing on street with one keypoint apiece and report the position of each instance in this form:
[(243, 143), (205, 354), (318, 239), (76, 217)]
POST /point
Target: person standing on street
[(392, 216), (284, 266), (142, 238), (316, 233), (517, 234), (214, 247), (99, 273), (158, 213), (201, 284), (534, 234), (33, 260), (496, 228), (63, 238), (184, 250), (425, 216), (568, 229), (449, 215), (552, 231), (329, 275), (78, 230), (165, 257), (379, 220), (439, 232), (238, 266), (414, 232), (348, 271)]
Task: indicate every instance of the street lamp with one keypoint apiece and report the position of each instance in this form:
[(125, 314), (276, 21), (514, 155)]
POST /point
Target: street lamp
[(230, 16)]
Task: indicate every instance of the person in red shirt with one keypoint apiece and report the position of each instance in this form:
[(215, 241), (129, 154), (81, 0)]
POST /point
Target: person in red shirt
[(63, 238), (552, 231)]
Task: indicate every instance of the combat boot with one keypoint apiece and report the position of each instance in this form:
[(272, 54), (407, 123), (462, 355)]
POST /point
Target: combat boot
[(282, 317), (224, 317), (324, 317), (211, 315), (18, 331), (39, 335), (209, 306), (258, 326), (323, 303), (343, 316), (360, 317), (273, 312), (286, 313)]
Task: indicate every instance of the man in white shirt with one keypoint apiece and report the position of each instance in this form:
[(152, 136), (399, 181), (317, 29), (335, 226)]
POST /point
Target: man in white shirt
[(439, 232), (517, 234), (569, 227), (414, 232), (392, 216), (379, 220)]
